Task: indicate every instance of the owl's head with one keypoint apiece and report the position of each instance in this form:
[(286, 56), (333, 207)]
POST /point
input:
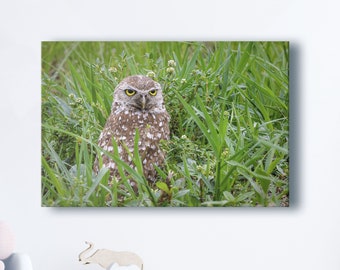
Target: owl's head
[(139, 93)]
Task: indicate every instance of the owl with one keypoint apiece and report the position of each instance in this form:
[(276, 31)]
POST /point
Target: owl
[(137, 104)]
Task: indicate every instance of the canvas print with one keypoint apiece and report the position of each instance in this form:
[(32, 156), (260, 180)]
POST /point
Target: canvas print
[(165, 124)]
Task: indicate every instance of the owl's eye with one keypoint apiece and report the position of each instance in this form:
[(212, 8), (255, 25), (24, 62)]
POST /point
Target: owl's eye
[(130, 92), (153, 92)]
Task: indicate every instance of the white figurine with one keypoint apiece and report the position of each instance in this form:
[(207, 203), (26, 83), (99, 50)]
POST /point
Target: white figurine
[(6, 243), (8, 259), (106, 258), (18, 261)]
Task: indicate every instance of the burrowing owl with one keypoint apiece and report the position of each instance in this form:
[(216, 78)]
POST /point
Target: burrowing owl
[(137, 104)]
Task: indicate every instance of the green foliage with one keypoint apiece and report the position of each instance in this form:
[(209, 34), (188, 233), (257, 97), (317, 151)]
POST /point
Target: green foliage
[(228, 103)]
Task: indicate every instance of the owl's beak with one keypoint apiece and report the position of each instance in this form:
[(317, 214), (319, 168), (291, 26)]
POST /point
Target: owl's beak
[(143, 102)]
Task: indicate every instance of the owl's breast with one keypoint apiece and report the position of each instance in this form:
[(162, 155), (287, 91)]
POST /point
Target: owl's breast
[(122, 126), (151, 126)]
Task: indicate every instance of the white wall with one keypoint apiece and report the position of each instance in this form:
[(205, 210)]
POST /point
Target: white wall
[(305, 236)]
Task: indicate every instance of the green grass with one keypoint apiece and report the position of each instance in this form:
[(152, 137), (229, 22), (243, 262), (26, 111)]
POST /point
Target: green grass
[(228, 103)]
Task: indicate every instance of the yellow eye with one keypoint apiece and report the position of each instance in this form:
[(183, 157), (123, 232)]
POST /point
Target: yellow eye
[(130, 92), (153, 92)]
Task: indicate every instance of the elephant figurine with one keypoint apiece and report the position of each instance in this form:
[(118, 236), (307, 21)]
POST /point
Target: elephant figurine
[(108, 258)]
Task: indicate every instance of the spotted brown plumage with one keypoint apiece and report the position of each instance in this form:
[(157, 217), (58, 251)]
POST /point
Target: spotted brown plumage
[(138, 104)]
